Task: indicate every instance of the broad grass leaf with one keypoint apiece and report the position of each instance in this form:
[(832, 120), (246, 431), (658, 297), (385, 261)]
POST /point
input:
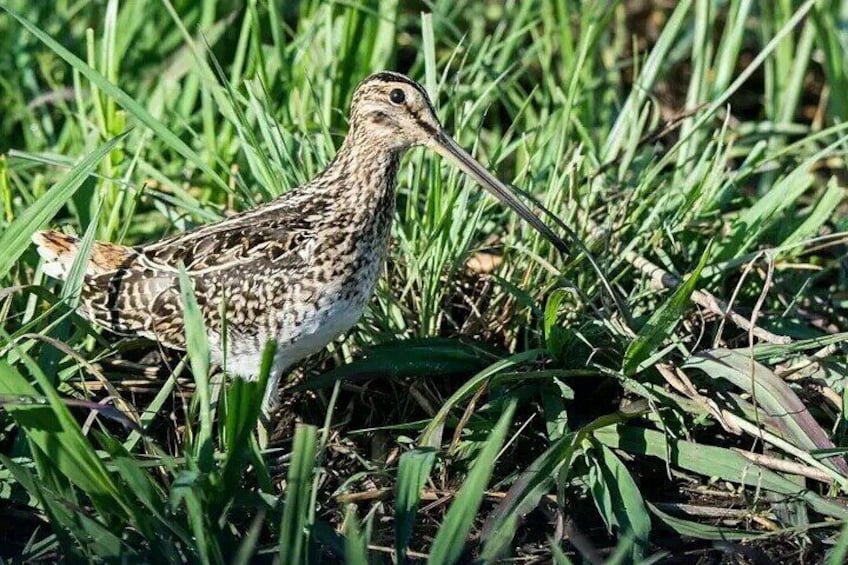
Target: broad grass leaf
[(747, 229), (58, 515), (53, 429), (774, 351), (434, 357), (524, 494), (701, 531), (772, 393), (619, 501), (555, 335), (151, 517), (205, 541), (712, 461)]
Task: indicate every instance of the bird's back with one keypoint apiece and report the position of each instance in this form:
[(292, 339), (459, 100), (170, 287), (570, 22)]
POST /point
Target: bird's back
[(135, 290)]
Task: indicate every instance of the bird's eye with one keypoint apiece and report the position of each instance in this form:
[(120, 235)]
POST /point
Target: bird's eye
[(397, 96)]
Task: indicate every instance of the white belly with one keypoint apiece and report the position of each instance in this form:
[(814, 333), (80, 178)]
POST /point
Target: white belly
[(312, 318), (293, 344), (316, 332), (302, 331)]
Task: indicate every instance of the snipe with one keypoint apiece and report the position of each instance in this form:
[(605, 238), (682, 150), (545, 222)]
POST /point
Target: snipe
[(298, 270)]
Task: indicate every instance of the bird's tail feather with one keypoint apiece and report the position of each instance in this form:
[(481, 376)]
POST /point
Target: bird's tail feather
[(59, 251)]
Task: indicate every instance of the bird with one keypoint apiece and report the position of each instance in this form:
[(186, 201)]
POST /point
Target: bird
[(298, 270)]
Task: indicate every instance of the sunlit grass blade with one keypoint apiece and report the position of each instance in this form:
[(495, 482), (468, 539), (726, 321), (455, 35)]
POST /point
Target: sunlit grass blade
[(124, 99), (16, 237), (356, 541), (650, 72), (662, 322), (450, 540), (73, 283), (243, 405), (197, 346), (59, 517), (294, 529), (53, 430)]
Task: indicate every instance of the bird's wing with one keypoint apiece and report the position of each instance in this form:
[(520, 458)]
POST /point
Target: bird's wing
[(141, 294), (280, 236)]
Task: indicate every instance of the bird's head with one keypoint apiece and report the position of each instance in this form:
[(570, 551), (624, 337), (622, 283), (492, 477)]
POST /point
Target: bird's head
[(393, 111)]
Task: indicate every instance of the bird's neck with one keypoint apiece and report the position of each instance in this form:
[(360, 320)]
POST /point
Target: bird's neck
[(361, 180), (356, 198)]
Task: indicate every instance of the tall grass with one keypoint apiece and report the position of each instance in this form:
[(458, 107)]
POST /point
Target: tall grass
[(497, 400)]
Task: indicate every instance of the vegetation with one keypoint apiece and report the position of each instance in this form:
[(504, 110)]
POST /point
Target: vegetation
[(671, 390)]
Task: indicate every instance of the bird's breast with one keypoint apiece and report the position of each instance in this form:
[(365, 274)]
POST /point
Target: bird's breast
[(324, 294)]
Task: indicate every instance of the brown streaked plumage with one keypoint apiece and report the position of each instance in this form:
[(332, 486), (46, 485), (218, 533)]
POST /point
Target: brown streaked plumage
[(298, 270)]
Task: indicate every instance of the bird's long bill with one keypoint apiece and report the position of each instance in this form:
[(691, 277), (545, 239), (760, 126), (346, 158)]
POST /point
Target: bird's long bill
[(445, 146)]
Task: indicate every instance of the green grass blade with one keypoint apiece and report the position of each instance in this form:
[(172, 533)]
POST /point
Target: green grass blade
[(450, 540), (197, 347), (356, 542), (524, 495), (73, 283), (558, 555), (294, 529), (431, 436), (772, 394), (124, 99), (661, 324), (839, 553), (54, 430), (436, 357), (243, 405), (712, 461), (246, 553), (413, 471), (700, 531), (821, 213), (619, 501)]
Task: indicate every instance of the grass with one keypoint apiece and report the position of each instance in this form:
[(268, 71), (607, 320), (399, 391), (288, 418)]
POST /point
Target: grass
[(498, 400)]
